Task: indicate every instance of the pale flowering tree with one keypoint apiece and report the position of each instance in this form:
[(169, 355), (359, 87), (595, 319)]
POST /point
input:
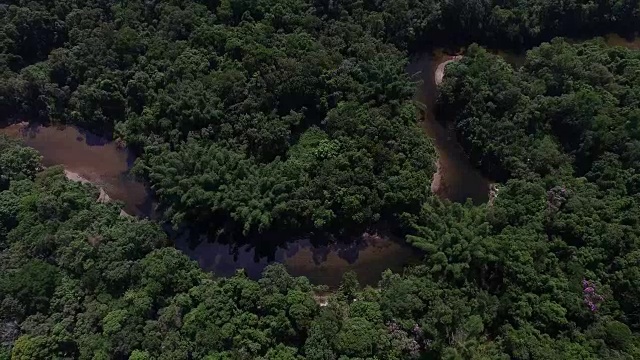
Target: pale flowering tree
[(411, 343), (591, 298)]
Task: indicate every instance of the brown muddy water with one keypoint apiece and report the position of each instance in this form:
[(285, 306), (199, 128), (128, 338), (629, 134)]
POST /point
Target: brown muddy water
[(107, 166), (91, 157), (456, 179)]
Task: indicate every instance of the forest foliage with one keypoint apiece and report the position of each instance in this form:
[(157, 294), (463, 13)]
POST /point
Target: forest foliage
[(263, 115), (78, 280)]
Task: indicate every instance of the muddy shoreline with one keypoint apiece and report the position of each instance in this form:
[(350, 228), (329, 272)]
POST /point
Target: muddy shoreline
[(90, 159), (87, 158), (441, 68)]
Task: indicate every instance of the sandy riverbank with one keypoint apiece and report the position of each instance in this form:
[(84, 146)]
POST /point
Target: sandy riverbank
[(440, 70), (103, 197)]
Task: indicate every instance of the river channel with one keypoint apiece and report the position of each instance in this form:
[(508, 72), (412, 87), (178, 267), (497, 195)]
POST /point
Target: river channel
[(107, 165), (455, 178)]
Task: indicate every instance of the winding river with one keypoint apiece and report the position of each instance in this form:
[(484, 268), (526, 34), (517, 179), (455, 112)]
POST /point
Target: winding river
[(106, 165), (102, 162)]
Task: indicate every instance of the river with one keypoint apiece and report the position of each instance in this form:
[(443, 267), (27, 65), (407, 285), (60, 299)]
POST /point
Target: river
[(107, 165), (455, 178)]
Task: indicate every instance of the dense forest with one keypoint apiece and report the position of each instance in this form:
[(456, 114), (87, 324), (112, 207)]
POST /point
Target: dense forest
[(258, 116)]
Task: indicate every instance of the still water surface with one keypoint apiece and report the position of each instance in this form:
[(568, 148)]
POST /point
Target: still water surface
[(92, 157), (367, 255)]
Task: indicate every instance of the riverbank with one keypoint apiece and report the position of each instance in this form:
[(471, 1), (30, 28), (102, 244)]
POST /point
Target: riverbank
[(87, 157), (441, 68), (103, 197)]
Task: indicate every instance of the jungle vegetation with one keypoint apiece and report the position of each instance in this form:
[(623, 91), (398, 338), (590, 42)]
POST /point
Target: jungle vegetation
[(263, 115)]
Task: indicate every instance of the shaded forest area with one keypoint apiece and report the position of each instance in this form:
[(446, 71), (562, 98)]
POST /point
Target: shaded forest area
[(262, 115)]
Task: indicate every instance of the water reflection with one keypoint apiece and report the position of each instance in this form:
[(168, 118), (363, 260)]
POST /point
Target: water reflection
[(322, 262), (617, 40), (102, 162)]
